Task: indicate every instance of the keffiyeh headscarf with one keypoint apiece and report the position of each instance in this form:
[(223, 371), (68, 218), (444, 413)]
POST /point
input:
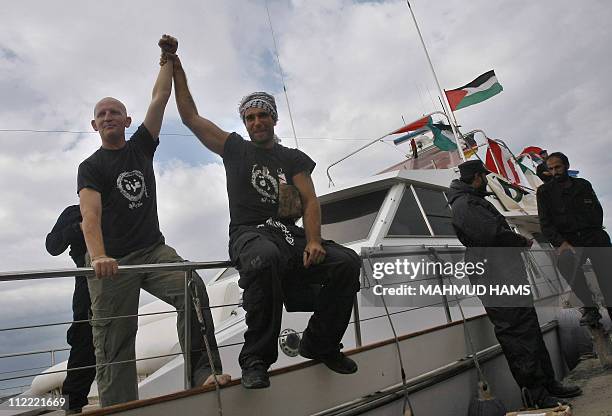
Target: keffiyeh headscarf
[(258, 100)]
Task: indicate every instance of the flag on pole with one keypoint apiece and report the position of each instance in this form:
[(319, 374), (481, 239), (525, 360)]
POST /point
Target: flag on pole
[(415, 125), (409, 136), (512, 197), (470, 146), (534, 154), (528, 163), (499, 160), (444, 138), (482, 88), (532, 150)]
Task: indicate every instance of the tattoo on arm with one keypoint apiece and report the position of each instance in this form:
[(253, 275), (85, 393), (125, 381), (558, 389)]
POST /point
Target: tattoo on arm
[(289, 202)]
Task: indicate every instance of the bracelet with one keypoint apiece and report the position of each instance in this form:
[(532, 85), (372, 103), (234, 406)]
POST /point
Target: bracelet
[(104, 256)]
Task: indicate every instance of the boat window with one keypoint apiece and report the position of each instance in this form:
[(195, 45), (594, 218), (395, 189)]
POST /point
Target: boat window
[(408, 219), (437, 210), (351, 219)]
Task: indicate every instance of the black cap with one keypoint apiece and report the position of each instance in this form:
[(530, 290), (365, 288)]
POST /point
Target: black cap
[(472, 167)]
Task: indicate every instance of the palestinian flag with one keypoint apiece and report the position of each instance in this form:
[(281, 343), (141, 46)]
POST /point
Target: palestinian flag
[(444, 139), (482, 88), (443, 133)]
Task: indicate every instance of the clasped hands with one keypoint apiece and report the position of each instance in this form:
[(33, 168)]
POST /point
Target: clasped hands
[(169, 46)]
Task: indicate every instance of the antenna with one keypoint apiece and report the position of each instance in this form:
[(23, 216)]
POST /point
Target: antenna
[(435, 78), (280, 69)]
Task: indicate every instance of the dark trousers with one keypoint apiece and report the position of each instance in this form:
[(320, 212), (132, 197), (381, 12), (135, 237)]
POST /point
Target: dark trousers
[(78, 382), (518, 332), (596, 246), (272, 271)]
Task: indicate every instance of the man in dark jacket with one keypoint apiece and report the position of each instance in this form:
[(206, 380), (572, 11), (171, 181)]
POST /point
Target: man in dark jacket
[(571, 218), (67, 233), (489, 238)]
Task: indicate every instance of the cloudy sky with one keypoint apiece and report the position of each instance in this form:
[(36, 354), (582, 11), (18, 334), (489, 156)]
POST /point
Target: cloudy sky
[(353, 69)]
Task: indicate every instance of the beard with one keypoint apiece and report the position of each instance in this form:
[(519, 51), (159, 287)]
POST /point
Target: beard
[(261, 138), (563, 177), (483, 187)]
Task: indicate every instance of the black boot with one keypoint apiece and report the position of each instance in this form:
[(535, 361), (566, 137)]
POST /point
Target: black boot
[(255, 375), (590, 316), (335, 361), (558, 389), (539, 398)]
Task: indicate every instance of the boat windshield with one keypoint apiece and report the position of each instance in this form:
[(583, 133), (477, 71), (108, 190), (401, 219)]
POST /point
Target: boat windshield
[(351, 219), (409, 219)]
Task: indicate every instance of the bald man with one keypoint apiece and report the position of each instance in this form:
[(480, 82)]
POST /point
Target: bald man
[(116, 186)]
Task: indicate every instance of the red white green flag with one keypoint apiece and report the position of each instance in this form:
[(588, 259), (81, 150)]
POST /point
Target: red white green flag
[(482, 88), (443, 134), (499, 160)]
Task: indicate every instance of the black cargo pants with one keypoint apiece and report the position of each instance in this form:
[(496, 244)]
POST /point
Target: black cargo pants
[(270, 261)]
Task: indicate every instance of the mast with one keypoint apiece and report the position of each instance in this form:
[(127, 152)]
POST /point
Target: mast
[(444, 101)]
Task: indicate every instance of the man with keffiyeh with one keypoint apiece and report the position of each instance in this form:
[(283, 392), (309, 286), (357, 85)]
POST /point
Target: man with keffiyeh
[(269, 188)]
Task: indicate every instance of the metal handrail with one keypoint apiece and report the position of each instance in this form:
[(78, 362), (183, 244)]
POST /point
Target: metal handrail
[(186, 267), (331, 182), (355, 322), (89, 272)]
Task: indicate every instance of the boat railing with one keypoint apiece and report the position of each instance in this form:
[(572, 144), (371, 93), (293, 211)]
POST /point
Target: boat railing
[(534, 267), (187, 267), (365, 146)]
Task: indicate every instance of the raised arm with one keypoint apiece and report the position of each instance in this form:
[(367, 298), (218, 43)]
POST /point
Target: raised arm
[(160, 96), (91, 210), (206, 131), (314, 252)]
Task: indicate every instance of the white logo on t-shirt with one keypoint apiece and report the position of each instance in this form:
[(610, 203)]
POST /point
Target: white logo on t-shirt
[(264, 183), (132, 186)]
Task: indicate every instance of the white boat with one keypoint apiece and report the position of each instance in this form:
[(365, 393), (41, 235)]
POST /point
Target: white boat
[(397, 213)]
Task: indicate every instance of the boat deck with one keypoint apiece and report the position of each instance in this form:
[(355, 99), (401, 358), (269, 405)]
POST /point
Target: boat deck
[(596, 384)]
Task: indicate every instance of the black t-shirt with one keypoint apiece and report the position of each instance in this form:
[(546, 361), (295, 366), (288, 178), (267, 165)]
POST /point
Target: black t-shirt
[(126, 182), (254, 176)]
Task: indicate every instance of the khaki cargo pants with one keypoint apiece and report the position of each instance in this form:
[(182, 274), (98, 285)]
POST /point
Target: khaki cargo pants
[(114, 339)]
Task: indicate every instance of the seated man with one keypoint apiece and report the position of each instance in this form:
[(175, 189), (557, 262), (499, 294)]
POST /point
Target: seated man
[(267, 185), (116, 186), (67, 233)]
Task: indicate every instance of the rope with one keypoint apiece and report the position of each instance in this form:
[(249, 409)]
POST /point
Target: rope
[(197, 306), (406, 401), (468, 336)]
